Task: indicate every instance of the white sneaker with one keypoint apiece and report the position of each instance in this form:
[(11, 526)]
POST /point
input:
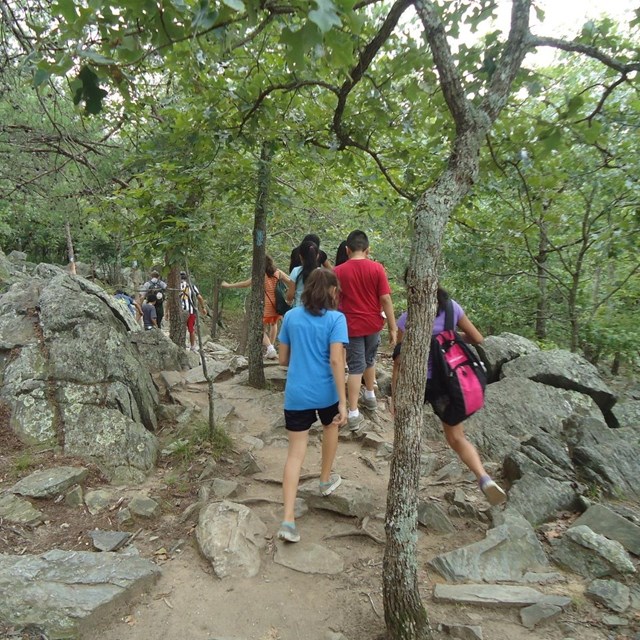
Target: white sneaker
[(272, 354)]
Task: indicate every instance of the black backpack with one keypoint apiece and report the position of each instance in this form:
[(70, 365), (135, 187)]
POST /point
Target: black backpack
[(458, 375), (154, 287), (282, 306)]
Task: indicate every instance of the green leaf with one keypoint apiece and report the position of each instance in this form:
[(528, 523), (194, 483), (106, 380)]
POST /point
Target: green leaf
[(96, 57), (238, 5), (40, 77), (65, 8), (592, 132), (325, 16), (551, 138)]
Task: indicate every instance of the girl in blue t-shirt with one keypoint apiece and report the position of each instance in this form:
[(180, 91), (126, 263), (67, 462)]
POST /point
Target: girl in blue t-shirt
[(312, 340)]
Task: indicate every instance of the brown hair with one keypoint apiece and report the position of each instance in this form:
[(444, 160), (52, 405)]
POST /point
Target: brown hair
[(270, 268), (316, 296)]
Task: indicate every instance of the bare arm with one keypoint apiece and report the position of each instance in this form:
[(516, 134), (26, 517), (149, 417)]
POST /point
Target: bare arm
[(468, 331), (291, 290), (336, 358), (283, 354), (284, 276), (236, 285), (387, 307)]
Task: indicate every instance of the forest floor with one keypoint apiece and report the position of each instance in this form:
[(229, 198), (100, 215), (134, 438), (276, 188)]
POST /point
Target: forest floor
[(188, 601)]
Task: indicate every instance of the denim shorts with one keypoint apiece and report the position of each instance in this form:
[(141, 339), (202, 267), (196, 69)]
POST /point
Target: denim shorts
[(361, 352)]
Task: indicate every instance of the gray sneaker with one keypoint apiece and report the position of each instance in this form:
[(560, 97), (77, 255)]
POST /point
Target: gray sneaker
[(355, 423), (288, 532), (370, 403), (327, 488)]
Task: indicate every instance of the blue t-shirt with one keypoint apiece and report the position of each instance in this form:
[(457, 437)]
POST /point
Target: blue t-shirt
[(297, 271), (310, 383)]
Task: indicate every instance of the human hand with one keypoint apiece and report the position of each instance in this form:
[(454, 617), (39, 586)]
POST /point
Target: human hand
[(340, 419), (393, 336)]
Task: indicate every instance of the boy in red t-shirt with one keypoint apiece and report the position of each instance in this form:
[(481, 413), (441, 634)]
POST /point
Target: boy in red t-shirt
[(364, 294)]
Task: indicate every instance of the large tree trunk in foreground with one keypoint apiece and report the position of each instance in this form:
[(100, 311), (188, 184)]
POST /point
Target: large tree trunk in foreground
[(405, 615), (177, 324), (256, 298)]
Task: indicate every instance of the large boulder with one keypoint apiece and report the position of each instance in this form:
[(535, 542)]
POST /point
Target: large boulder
[(76, 372), (498, 350), (565, 370), (518, 408)]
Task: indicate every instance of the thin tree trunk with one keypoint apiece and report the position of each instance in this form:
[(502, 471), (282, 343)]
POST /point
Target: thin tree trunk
[(215, 307), (541, 259), (70, 253), (256, 297), (177, 325)]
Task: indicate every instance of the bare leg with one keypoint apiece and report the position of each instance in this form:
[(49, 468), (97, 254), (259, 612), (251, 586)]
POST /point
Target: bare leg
[(295, 457), (192, 338), (369, 377), (353, 390), (329, 448), (465, 450), (273, 333)]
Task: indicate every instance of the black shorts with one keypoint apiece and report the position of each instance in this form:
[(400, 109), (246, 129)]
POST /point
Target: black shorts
[(301, 420)]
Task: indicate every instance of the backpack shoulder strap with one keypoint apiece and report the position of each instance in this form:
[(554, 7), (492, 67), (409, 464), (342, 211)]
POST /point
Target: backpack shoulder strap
[(448, 316)]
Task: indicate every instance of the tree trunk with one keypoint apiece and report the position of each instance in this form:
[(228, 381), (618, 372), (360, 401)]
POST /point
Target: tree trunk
[(70, 253), (256, 297), (177, 325), (215, 307), (541, 259)]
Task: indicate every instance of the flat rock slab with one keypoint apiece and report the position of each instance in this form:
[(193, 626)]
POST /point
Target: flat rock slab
[(108, 540), (538, 613), (65, 592), (349, 499), (308, 558), (49, 482), (611, 525), (487, 595), (19, 511), (614, 595)]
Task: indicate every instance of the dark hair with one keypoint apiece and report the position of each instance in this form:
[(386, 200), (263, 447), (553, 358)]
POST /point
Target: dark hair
[(269, 267), (316, 296), (443, 298), (151, 297), (308, 259), (155, 274), (341, 253), (312, 237), (357, 241)]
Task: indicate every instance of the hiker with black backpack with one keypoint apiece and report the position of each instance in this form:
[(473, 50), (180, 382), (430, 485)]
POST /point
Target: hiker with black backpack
[(158, 287), (455, 383), (273, 294)]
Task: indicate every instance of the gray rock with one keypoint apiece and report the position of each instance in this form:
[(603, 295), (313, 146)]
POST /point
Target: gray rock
[(428, 462), (614, 595), (255, 444), (450, 472), (565, 370), (249, 464), (538, 613), (19, 511), (433, 518), (349, 499), (98, 500), (74, 497), (156, 352), (539, 499), (508, 552), (48, 483), (462, 631), (221, 488), (124, 517), (17, 256), (487, 595), (308, 558), (144, 507), (590, 554), (498, 350), (516, 409), (606, 457), (614, 621), (63, 592), (627, 413), (108, 540), (611, 525), (99, 401), (372, 441), (230, 536)]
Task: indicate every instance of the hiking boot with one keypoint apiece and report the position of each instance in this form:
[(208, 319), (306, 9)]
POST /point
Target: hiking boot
[(493, 492), (356, 422), (289, 532), (327, 488)]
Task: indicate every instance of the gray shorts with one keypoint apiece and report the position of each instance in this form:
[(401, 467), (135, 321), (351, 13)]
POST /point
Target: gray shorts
[(361, 352)]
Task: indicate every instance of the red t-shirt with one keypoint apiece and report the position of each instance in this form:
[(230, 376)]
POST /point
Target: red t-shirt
[(362, 283)]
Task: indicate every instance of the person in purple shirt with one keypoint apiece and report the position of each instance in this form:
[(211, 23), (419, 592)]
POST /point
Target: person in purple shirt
[(454, 434)]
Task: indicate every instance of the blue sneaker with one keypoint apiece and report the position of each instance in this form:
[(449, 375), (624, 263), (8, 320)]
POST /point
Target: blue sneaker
[(327, 488), (289, 532)]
